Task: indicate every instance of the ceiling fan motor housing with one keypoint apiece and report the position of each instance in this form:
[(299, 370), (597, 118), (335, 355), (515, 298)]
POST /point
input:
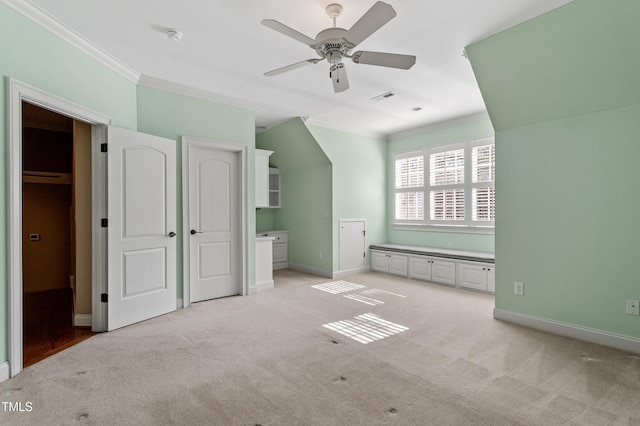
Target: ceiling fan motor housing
[(332, 45)]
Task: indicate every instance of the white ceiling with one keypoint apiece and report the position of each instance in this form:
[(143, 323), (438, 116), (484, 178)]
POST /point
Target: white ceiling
[(225, 51)]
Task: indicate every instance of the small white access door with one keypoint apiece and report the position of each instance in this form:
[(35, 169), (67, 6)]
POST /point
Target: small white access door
[(214, 222), (353, 251), (141, 200)]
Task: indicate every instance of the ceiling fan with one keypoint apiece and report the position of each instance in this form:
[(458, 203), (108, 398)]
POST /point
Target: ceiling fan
[(334, 44)]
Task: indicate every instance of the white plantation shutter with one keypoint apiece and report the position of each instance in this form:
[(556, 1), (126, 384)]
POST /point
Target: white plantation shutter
[(483, 174), (409, 186), (410, 172), (447, 167), (446, 186)]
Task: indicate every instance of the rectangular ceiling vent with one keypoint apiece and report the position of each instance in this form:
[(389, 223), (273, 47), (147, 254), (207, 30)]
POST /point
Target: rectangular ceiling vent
[(383, 96)]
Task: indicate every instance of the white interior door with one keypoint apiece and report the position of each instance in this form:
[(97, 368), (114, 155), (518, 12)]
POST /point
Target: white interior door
[(352, 244), (214, 222), (141, 199)]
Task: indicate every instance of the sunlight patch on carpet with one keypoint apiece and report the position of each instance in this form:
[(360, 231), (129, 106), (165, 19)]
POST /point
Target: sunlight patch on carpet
[(366, 328), (337, 287), (364, 299), (376, 290)]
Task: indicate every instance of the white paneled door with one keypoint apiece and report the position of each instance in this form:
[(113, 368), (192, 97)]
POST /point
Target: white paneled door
[(352, 244), (214, 222), (141, 199)]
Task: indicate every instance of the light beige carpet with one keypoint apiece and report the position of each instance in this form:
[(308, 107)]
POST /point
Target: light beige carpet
[(435, 357)]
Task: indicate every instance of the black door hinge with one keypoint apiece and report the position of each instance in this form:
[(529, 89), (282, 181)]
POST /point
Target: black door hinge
[(104, 298), (104, 223), (103, 147)]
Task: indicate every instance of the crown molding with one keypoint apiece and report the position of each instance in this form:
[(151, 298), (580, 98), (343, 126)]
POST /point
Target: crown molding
[(69, 35), (180, 89), (441, 125)]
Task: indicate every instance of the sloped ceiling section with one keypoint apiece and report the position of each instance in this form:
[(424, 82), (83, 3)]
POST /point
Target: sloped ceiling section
[(294, 146), (580, 58)]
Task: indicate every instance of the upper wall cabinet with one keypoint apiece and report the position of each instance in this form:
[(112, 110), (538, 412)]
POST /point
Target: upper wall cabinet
[(262, 177), (274, 187)]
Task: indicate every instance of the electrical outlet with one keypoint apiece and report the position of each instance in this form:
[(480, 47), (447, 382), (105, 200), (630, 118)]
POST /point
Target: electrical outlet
[(518, 288), (633, 307)]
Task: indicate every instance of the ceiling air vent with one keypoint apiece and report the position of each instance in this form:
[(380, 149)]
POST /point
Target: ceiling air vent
[(383, 96)]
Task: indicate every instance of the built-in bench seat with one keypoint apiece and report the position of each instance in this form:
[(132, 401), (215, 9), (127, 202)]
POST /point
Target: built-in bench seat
[(461, 268), (472, 256)]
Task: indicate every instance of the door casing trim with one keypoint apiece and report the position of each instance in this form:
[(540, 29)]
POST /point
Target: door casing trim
[(17, 93)]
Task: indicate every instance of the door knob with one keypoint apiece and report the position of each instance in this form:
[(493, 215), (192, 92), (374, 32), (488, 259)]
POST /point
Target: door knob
[(172, 234), (194, 232)]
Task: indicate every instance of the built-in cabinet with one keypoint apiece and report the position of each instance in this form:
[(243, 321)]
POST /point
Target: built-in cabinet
[(274, 188), (280, 248), (478, 276), (432, 269), (390, 263), (463, 273), (263, 177)]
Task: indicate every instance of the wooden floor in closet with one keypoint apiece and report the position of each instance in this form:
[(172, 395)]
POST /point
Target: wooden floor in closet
[(48, 324)]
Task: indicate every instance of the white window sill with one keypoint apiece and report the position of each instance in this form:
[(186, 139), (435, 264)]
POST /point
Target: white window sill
[(460, 229)]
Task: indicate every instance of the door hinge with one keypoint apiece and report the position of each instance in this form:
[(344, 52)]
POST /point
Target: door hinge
[(103, 147), (104, 223), (364, 232), (364, 254), (104, 298)]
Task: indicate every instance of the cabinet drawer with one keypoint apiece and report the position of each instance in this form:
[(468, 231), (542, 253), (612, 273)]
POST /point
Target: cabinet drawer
[(280, 237)]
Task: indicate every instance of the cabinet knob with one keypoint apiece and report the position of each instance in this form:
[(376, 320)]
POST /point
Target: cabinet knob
[(194, 232), (172, 234)]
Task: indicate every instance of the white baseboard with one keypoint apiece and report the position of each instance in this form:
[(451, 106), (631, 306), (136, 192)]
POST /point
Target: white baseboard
[(264, 285), (349, 272), (309, 270), (82, 320), (618, 341), (179, 304), (4, 371), (253, 290)]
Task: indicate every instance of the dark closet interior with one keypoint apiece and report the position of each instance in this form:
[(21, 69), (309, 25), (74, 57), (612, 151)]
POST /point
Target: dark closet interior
[(48, 234)]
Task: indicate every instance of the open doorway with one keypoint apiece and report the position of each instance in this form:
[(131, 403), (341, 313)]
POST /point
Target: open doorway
[(56, 232)]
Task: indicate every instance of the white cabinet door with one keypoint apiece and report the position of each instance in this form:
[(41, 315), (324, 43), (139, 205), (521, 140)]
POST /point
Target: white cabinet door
[(141, 199), (262, 177), (398, 265), (491, 279), (443, 272), (420, 268), (379, 261), (472, 276)]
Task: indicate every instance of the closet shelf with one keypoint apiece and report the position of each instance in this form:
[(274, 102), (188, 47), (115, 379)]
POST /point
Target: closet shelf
[(46, 177)]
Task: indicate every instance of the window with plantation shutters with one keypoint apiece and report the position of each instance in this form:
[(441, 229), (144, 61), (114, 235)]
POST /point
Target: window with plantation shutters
[(409, 188), (448, 185)]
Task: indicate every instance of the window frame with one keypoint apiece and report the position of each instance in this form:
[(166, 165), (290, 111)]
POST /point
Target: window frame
[(466, 225)]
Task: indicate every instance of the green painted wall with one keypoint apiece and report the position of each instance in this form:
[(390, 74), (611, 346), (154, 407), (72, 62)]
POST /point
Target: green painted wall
[(32, 55), (475, 127), (172, 116), (359, 181), (563, 93), (306, 175)]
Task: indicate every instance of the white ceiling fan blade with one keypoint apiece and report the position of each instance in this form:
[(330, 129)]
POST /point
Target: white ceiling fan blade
[(291, 67), (379, 14), (339, 78), (288, 31), (391, 60)]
